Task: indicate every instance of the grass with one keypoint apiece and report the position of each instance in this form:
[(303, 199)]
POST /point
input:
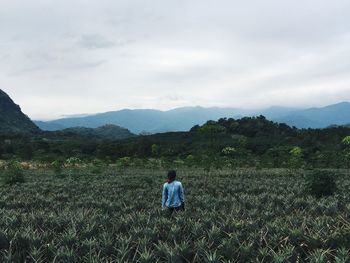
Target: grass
[(231, 216)]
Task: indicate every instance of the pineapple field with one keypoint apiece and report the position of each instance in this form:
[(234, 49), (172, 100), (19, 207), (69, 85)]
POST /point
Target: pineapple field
[(114, 215)]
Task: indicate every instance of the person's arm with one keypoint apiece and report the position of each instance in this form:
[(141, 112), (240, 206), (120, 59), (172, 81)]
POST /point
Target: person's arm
[(164, 196), (182, 195)]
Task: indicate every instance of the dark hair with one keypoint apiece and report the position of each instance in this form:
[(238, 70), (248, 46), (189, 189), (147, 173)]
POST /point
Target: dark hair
[(171, 176)]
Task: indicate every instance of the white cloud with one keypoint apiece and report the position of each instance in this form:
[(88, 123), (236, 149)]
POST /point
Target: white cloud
[(70, 57)]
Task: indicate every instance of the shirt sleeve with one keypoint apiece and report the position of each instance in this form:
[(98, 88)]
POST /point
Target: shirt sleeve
[(164, 195), (182, 194)]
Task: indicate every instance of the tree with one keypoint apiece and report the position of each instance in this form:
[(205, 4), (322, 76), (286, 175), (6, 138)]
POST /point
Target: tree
[(155, 150), (230, 153), (26, 151), (57, 166), (278, 156), (296, 159), (346, 143), (144, 146), (212, 129), (124, 162), (13, 174)]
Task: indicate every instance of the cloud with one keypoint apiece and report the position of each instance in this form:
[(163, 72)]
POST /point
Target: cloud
[(69, 57), (95, 41)]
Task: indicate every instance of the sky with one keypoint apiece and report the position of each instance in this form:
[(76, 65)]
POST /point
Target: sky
[(72, 57)]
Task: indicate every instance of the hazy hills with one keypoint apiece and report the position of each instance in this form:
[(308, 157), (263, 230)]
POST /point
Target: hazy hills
[(182, 119), (137, 121), (336, 114), (126, 123), (12, 119)]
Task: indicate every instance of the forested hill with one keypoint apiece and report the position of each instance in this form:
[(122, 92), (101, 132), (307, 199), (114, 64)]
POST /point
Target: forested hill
[(12, 119), (110, 132), (247, 142)]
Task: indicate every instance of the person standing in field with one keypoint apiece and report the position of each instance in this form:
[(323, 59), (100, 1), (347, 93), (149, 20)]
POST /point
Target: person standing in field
[(173, 197)]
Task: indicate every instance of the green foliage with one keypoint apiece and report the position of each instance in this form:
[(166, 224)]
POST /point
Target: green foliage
[(4, 243), (346, 141), (321, 183), (296, 152), (124, 162), (57, 166), (257, 141), (13, 174), (206, 163), (97, 166), (242, 141), (245, 215), (212, 129), (155, 150), (190, 161), (296, 159), (73, 161), (229, 151)]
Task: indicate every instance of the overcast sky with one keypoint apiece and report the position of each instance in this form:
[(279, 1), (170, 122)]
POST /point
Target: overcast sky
[(78, 56)]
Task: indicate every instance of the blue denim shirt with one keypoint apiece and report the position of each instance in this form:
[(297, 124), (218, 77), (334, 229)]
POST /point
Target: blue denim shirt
[(173, 194)]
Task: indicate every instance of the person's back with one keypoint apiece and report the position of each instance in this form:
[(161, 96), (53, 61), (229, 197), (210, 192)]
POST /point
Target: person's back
[(173, 196)]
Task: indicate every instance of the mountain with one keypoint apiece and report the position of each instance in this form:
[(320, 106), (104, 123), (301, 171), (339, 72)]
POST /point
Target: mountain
[(48, 126), (182, 119), (12, 119), (274, 112), (336, 114), (153, 121), (109, 131)]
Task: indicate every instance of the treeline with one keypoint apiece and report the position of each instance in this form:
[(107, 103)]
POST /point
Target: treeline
[(253, 142)]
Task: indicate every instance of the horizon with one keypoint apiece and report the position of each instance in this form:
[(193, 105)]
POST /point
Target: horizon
[(251, 110), (82, 115), (64, 58)]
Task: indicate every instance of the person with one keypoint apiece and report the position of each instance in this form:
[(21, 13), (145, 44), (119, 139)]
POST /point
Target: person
[(173, 197)]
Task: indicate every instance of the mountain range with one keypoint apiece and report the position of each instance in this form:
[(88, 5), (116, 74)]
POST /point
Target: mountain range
[(182, 119), (144, 120), (125, 123)]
